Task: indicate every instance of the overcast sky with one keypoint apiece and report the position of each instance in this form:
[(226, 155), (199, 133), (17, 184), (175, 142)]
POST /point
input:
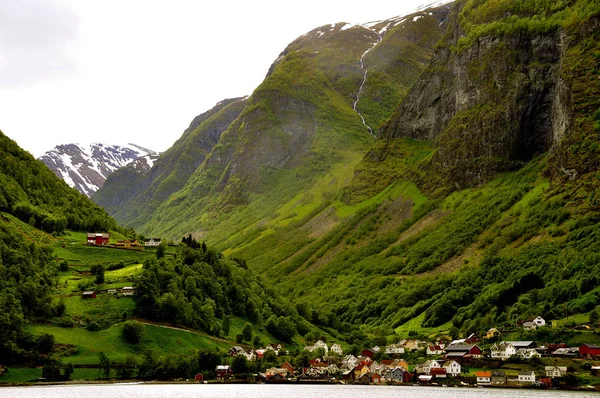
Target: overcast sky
[(129, 71)]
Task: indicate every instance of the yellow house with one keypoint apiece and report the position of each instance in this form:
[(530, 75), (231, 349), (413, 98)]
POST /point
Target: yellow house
[(361, 370), (493, 332)]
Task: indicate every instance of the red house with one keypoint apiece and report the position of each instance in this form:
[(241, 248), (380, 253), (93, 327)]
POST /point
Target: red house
[(438, 372), (589, 350), (199, 377), (222, 371), (88, 295), (97, 239), (369, 353), (463, 350)]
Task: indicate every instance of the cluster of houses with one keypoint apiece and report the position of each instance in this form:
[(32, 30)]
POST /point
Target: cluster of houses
[(448, 362), (102, 239), (124, 291)]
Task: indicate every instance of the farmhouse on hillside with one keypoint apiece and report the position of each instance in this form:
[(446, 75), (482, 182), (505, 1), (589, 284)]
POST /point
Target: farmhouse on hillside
[(97, 239)]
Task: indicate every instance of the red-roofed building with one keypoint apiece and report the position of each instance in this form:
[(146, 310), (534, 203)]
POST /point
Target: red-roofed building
[(368, 353), (589, 350), (438, 373)]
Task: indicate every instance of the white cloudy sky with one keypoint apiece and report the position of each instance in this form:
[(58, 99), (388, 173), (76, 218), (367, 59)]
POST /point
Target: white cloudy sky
[(119, 71)]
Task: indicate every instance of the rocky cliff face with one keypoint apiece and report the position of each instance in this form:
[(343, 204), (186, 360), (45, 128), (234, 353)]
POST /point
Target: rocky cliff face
[(86, 167), (324, 95), (489, 106)]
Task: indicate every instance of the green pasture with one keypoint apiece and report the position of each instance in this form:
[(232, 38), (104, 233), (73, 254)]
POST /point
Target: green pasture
[(161, 340)]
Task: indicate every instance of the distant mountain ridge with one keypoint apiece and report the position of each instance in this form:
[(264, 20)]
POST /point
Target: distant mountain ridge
[(85, 167)]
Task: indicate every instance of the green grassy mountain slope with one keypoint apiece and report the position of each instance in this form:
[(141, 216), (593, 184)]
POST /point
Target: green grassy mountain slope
[(416, 242), (459, 217), (300, 125), (477, 206), (131, 194)]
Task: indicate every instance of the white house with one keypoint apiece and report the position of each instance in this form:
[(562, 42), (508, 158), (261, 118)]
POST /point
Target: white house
[(503, 350), (527, 377), (539, 321), (349, 361), (529, 325), (128, 291), (435, 349), (428, 365), (318, 344), (321, 344), (483, 377), (528, 353), (394, 349), (555, 371), (453, 368), (337, 349), (152, 242)]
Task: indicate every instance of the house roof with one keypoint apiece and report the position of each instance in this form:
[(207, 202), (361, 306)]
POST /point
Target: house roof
[(521, 344), (590, 345), (457, 354), (528, 373), (483, 373), (460, 347), (88, 292)]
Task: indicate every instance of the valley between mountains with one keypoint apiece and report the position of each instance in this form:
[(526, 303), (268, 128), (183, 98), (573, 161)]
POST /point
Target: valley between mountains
[(432, 175)]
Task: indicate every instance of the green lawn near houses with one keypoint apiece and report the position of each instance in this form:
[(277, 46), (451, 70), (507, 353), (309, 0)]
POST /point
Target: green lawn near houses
[(161, 340)]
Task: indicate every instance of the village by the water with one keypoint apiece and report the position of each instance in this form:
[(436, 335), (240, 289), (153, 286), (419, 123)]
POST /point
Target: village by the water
[(481, 361), (486, 360)]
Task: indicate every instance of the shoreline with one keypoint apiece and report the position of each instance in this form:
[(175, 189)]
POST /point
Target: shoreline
[(287, 382)]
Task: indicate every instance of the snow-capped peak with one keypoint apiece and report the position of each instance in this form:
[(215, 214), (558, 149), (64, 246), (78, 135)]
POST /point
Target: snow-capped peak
[(85, 167)]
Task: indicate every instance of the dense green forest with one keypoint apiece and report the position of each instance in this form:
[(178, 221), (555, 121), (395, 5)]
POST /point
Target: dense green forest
[(27, 277), (199, 288)]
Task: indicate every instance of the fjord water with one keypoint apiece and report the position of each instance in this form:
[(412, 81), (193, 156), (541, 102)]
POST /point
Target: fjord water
[(272, 391)]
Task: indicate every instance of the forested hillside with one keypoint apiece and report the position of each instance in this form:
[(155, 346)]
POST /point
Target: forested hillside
[(32, 198), (31, 192)]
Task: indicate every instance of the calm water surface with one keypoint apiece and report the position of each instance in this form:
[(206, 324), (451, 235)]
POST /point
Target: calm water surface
[(273, 391)]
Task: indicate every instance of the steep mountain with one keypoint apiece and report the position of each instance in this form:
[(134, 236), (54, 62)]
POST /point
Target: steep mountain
[(479, 204), (132, 193), (476, 205), (313, 116), (86, 167)]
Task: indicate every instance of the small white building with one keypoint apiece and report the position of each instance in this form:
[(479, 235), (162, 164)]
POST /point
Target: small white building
[(318, 344), (555, 371), (337, 349), (453, 368), (152, 242), (435, 349), (128, 291), (529, 325), (539, 321), (503, 350), (394, 349), (527, 377), (430, 364), (528, 353), (483, 378)]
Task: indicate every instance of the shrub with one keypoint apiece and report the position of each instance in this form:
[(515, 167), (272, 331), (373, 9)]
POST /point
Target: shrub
[(133, 332)]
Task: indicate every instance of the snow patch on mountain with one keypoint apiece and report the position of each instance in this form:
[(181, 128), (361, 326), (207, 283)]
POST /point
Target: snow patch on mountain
[(85, 167)]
